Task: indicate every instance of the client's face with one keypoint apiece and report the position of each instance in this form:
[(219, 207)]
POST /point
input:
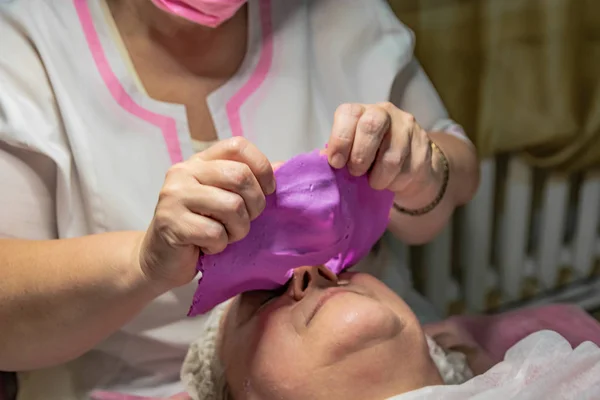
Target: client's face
[(323, 339)]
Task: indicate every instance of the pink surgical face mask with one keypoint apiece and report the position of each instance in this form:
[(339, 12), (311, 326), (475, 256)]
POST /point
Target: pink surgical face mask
[(204, 12)]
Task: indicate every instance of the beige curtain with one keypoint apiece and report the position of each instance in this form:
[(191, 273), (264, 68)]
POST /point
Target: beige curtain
[(520, 75)]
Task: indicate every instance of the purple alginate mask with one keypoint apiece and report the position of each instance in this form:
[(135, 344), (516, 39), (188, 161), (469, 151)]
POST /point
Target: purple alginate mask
[(317, 216)]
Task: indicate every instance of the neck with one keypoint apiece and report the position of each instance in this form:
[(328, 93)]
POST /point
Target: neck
[(196, 48)]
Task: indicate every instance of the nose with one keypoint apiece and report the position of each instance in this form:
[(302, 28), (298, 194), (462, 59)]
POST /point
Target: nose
[(306, 277)]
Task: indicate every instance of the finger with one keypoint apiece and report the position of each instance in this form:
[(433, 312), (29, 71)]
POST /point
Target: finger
[(179, 228), (417, 162), (342, 133), (225, 207), (204, 232), (383, 172), (393, 152), (241, 150), (235, 177), (371, 128)]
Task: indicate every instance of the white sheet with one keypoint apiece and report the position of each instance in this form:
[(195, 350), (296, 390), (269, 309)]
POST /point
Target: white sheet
[(541, 366)]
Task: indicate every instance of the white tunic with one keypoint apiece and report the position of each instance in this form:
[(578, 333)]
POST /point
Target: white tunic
[(84, 150)]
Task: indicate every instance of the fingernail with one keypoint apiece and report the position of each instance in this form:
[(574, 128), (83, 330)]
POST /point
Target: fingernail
[(272, 187), (338, 161)]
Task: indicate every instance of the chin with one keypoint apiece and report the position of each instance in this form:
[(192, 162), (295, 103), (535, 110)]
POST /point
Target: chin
[(353, 322)]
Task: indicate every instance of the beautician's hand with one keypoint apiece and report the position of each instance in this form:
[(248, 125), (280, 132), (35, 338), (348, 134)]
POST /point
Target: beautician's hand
[(387, 143), (205, 203)]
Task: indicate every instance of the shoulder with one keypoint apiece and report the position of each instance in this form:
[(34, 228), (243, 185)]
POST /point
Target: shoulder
[(20, 58), (359, 41), (15, 40), (366, 17), (27, 101)]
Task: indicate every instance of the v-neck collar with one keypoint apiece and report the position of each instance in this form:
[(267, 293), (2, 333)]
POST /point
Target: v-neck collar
[(219, 101)]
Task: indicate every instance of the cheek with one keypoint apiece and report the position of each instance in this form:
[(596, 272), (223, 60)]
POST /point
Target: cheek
[(279, 361), (350, 324), (275, 349)]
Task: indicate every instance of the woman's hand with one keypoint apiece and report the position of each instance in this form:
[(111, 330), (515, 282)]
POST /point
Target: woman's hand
[(205, 203), (389, 144)]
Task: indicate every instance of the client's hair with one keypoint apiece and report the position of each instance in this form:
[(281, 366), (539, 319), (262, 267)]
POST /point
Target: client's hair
[(204, 375)]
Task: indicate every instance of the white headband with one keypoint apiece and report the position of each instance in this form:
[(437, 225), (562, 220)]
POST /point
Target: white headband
[(204, 375)]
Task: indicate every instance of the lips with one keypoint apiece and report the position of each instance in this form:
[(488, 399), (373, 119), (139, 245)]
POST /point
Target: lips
[(325, 297)]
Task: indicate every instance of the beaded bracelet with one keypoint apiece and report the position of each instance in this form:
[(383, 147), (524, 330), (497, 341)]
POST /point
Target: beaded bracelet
[(441, 193)]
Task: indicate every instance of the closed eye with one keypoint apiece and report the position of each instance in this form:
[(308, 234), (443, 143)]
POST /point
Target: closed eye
[(267, 296), (253, 302)]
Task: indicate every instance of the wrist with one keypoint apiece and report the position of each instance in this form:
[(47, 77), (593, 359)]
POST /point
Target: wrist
[(140, 278), (419, 199)]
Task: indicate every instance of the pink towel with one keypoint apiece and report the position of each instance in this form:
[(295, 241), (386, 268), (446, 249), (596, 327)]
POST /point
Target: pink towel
[(486, 338)]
